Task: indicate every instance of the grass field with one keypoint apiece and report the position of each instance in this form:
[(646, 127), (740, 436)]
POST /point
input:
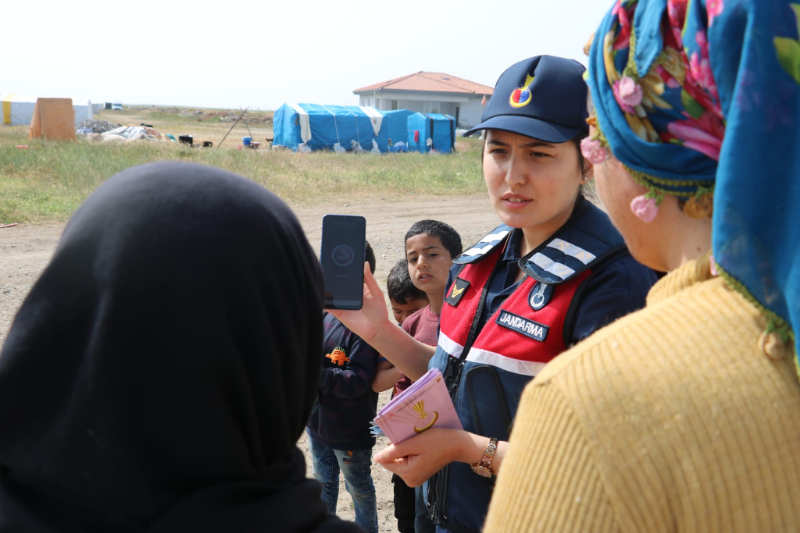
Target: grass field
[(49, 180)]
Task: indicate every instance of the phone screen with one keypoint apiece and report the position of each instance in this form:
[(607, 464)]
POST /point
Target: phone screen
[(342, 258)]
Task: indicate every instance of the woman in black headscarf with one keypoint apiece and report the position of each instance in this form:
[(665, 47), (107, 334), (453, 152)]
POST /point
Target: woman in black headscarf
[(158, 376)]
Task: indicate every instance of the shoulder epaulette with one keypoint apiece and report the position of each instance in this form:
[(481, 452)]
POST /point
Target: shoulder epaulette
[(584, 242), (480, 249)]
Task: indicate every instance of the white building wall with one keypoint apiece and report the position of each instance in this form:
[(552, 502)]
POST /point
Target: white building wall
[(417, 106), (470, 112), (448, 108), (470, 108)]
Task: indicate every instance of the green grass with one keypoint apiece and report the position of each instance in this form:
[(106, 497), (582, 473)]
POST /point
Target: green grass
[(50, 179)]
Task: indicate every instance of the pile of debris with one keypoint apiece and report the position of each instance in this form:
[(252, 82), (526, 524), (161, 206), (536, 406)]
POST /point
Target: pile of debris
[(95, 126), (248, 119), (129, 133)]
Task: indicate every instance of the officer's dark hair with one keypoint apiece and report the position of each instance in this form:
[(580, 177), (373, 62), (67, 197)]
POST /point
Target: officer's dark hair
[(370, 257), (587, 189), (450, 238), (577, 142), (399, 285)]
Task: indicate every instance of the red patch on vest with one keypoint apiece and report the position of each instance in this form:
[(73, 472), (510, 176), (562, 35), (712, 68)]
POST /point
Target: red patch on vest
[(456, 323)]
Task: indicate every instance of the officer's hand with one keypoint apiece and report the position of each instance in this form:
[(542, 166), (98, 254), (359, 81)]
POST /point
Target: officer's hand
[(367, 321), (418, 458)]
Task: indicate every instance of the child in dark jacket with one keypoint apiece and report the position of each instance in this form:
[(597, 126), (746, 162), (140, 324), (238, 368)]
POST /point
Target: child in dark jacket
[(339, 429)]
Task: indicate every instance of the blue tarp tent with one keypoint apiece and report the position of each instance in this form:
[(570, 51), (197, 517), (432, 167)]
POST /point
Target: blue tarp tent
[(428, 131), (398, 125), (320, 127)]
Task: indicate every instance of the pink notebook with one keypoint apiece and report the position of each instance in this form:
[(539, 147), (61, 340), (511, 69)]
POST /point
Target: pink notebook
[(425, 404)]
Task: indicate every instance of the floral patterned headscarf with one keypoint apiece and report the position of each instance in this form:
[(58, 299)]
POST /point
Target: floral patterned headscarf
[(700, 99)]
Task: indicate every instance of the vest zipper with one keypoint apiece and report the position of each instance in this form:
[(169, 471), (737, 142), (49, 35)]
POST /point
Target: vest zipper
[(445, 478)]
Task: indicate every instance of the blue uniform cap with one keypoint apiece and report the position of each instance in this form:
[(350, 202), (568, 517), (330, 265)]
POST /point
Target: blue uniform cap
[(543, 97)]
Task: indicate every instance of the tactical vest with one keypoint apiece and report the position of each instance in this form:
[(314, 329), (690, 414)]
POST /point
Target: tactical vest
[(486, 369)]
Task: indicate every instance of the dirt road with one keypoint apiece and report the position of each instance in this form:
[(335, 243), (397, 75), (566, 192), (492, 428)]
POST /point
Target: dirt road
[(25, 251)]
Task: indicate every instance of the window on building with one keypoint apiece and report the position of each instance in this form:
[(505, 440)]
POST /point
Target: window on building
[(394, 105), (432, 107)]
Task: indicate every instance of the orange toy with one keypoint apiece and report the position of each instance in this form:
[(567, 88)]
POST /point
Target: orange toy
[(338, 357)]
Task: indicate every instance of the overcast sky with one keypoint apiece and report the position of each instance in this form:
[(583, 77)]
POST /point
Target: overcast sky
[(264, 53)]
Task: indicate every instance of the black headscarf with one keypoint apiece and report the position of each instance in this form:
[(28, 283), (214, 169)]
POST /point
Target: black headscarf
[(161, 370)]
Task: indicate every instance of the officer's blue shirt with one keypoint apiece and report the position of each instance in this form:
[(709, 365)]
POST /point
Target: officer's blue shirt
[(607, 295)]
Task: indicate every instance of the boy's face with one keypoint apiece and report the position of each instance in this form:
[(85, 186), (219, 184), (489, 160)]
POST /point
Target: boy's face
[(428, 263), (403, 311)]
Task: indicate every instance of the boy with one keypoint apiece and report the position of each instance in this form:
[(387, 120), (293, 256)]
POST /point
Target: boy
[(430, 248), (405, 300), (339, 429)]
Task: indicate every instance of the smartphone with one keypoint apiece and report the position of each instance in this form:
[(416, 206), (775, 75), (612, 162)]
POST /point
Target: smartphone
[(342, 257)]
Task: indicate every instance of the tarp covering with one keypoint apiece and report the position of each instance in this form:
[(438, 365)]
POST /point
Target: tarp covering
[(17, 110), (131, 133), (398, 125), (53, 119), (322, 127), (431, 131)]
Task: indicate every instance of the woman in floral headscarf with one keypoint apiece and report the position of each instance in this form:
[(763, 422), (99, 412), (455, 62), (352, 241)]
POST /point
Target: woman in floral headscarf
[(684, 416)]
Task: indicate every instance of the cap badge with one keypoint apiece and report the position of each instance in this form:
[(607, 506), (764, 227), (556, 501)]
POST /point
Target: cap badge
[(521, 96)]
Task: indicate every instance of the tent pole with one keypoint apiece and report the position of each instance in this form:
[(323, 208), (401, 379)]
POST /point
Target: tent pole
[(246, 125), (234, 125)]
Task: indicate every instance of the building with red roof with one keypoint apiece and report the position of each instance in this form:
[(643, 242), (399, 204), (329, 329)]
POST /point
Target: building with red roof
[(430, 92)]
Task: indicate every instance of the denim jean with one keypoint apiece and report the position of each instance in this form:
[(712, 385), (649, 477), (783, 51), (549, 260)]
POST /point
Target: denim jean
[(356, 466), (422, 518)]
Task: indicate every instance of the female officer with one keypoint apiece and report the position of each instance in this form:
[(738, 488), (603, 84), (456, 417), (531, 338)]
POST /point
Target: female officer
[(553, 272)]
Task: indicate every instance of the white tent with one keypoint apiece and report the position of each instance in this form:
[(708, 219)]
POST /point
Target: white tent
[(83, 110), (17, 110)]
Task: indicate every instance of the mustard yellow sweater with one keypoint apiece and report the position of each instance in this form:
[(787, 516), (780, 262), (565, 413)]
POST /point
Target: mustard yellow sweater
[(676, 418)]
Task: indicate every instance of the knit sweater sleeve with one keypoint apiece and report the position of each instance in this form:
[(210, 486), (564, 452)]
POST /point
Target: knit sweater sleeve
[(549, 481)]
